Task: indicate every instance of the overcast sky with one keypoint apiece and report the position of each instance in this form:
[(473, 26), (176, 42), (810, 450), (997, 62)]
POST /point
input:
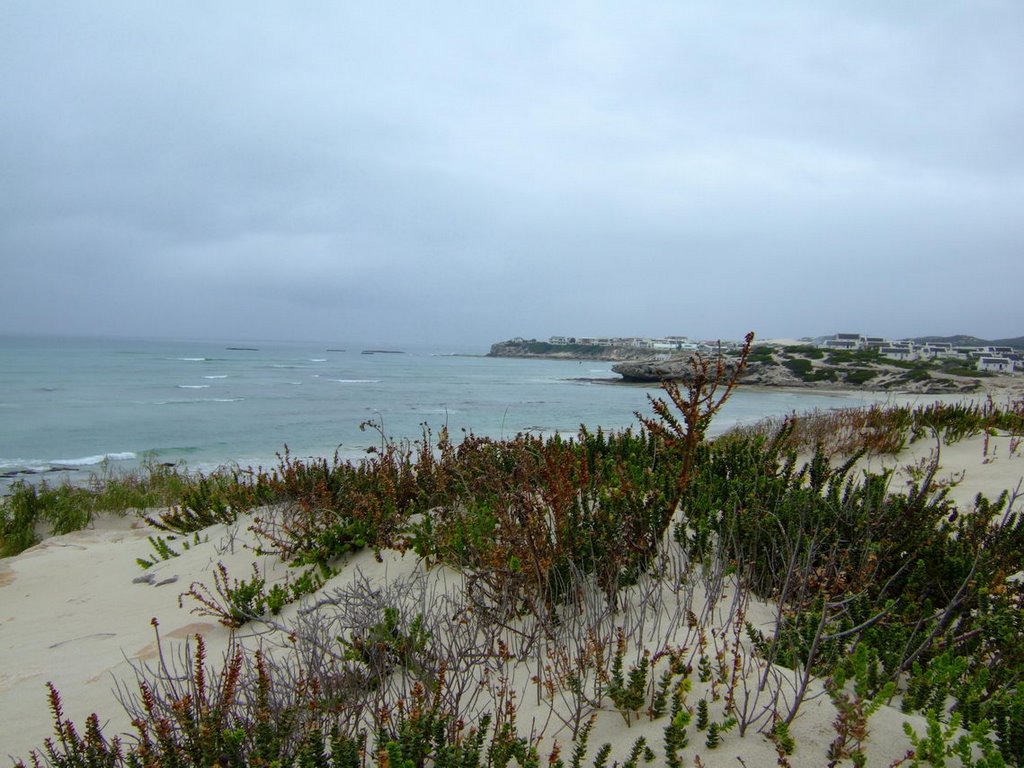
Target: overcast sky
[(458, 173)]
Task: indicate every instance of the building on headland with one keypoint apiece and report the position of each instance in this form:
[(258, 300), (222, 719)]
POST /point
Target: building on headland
[(985, 357), (665, 343), (995, 364), (903, 352), (845, 341)]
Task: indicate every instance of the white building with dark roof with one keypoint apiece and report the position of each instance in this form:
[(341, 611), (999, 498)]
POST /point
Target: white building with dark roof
[(995, 364)]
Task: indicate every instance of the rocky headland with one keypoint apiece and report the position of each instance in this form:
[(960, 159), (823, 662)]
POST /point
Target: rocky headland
[(545, 350), (776, 374), (801, 366)]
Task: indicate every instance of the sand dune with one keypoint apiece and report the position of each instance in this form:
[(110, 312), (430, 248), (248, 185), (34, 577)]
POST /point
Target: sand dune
[(76, 610)]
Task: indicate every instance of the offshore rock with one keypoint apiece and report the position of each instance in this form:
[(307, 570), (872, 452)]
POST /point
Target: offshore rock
[(675, 369)]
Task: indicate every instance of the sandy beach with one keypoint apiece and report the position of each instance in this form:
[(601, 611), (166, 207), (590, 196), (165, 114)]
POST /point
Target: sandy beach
[(76, 611)]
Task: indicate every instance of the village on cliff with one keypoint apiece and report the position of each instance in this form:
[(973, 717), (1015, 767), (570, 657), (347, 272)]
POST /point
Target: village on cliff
[(985, 357)]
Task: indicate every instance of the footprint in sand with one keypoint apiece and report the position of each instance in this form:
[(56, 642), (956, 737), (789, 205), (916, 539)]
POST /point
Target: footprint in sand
[(8, 680)]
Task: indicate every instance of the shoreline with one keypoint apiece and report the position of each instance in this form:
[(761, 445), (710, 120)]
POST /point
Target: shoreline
[(1001, 389), (1012, 387)]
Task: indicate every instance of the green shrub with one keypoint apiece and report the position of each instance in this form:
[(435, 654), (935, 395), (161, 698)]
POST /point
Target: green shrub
[(19, 514), (62, 509), (799, 366), (762, 354), (807, 350), (916, 375), (860, 375)]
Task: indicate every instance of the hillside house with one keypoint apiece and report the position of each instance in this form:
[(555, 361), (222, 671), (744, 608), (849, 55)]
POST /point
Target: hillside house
[(903, 352), (995, 364), (845, 341), (934, 349)]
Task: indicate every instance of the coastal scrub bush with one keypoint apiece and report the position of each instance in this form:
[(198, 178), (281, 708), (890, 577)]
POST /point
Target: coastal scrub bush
[(803, 369), (843, 432), (233, 602), (252, 712), (917, 374), (214, 499), (681, 422), (60, 509), (326, 509), (525, 516), (848, 561), (860, 375), (807, 350), (859, 356), (854, 707), (19, 514), (153, 484), (800, 366), (198, 501), (163, 551), (973, 748), (389, 643)]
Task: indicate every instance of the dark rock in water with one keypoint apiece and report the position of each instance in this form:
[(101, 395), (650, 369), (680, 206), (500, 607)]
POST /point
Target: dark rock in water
[(676, 369), (383, 352), (243, 349)]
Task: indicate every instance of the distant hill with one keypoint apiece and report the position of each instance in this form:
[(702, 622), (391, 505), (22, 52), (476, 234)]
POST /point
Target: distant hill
[(963, 340), (960, 340)]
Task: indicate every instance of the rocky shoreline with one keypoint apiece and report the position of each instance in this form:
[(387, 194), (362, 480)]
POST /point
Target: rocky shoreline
[(800, 368), (777, 375)]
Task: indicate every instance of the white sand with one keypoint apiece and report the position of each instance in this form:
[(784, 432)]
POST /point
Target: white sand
[(71, 614)]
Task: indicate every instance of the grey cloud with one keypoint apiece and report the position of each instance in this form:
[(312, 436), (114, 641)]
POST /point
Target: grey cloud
[(458, 174)]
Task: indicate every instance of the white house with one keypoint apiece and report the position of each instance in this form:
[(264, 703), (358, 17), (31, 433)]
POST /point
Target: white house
[(845, 341), (995, 364), (905, 353)]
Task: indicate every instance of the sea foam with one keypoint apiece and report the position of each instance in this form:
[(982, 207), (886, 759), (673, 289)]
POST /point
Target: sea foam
[(87, 461)]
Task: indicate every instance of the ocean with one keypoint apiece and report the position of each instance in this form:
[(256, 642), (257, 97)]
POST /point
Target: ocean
[(73, 407)]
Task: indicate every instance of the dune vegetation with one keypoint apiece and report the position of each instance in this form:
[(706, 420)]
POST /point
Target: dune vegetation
[(701, 594)]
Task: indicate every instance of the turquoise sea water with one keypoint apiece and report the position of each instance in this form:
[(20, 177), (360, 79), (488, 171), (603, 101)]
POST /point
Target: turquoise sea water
[(70, 404)]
